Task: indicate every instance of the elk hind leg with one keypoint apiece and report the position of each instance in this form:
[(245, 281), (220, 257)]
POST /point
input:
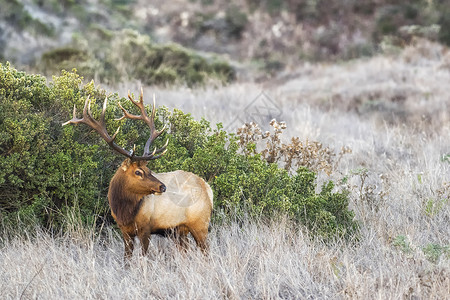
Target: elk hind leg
[(200, 235)]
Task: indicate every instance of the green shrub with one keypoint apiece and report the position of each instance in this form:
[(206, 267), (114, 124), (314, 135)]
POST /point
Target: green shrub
[(68, 58), (48, 170), (128, 55), (433, 252), (402, 243)]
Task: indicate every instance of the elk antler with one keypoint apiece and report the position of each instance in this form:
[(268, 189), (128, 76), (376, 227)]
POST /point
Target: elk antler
[(100, 128), (151, 124)]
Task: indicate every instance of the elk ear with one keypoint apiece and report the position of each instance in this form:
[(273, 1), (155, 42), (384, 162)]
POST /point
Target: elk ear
[(125, 164)]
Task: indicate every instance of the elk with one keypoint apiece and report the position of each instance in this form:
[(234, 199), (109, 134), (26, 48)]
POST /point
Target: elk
[(141, 204)]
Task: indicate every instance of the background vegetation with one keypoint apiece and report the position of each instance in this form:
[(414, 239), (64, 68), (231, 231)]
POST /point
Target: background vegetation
[(113, 41), (50, 171), (127, 55)]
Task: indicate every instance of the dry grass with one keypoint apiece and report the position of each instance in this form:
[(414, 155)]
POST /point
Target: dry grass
[(247, 261), (398, 175)]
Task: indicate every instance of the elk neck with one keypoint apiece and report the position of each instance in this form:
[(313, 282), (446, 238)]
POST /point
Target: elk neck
[(124, 203)]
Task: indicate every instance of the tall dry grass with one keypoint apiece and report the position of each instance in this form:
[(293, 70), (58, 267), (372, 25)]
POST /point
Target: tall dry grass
[(249, 260), (398, 175)]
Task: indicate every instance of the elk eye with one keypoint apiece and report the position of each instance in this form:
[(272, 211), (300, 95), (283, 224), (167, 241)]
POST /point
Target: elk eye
[(138, 173)]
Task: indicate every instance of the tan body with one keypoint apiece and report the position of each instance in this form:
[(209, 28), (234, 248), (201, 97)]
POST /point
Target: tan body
[(185, 207), (179, 205)]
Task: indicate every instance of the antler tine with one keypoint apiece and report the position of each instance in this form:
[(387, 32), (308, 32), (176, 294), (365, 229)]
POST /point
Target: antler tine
[(154, 134), (98, 126), (102, 116), (158, 156), (150, 121), (74, 119), (140, 105)]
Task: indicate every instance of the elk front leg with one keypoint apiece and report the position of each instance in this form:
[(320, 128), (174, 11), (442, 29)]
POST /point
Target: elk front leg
[(128, 241)]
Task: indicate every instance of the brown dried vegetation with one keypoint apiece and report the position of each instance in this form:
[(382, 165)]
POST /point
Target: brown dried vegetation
[(310, 154)]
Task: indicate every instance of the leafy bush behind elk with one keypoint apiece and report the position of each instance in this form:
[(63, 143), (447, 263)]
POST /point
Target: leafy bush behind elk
[(128, 55), (49, 172)]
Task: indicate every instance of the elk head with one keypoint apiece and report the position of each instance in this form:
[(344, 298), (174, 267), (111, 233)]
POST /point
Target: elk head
[(139, 178)]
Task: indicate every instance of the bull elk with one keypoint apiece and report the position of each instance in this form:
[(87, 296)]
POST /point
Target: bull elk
[(140, 202)]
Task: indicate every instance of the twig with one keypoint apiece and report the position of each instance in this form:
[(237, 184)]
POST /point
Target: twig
[(34, 276)]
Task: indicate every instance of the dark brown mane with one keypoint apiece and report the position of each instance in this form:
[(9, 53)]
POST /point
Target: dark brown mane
[(123, 204)]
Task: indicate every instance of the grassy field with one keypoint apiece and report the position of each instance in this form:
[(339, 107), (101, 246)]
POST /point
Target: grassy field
[(391, 110)]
